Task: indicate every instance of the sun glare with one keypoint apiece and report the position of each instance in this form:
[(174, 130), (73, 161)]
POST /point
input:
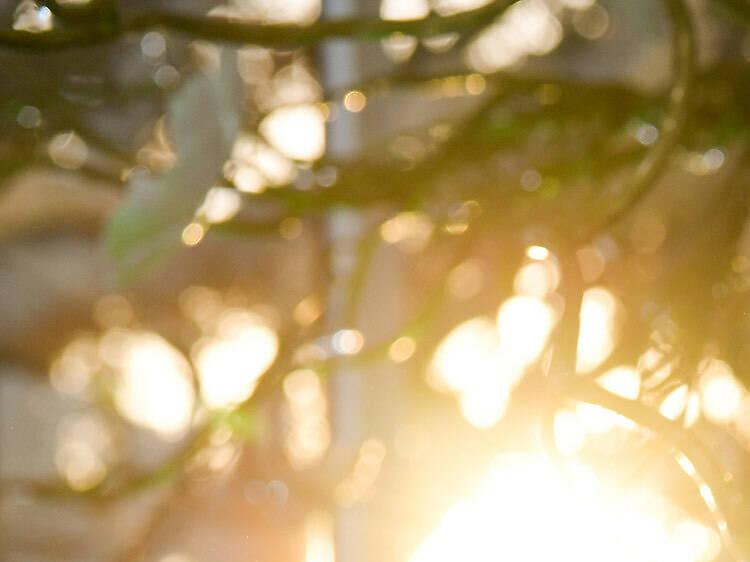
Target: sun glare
[(528, 509), (524, 324), (623, 381)]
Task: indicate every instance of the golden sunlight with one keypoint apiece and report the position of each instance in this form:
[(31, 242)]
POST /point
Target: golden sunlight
[(231, 361), (524, 324), (150, 380), (482, 362), (154, 388), (623, 381), (466, 349), (469, 363), (528, 509), (298, 131), (319, 542), (721, 393), (537, 279), (681, 401)]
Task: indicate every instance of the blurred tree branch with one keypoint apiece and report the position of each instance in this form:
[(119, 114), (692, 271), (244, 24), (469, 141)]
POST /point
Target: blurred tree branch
[(731, 518), (673, 124), (91, 31)]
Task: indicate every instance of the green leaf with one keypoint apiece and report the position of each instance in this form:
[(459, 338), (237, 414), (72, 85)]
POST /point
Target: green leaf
[(202, 119)]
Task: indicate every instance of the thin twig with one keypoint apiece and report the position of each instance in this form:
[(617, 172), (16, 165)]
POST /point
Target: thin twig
[(657, 158), (729, 521)]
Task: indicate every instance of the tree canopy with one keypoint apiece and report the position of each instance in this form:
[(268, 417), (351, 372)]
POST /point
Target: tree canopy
[(338, 254)]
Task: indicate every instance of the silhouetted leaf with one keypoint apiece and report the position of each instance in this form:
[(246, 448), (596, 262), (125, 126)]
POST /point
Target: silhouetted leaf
[(202, 121)]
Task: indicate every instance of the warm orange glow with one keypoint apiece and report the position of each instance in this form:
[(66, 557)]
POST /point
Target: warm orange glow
[(402, 349), (569, 432), (319, 538), (355, 101), (524, 324), (468, 348), (537, 252), (527, 509), (472, 362), (721, 392), (537, 279), (307, 311), (623, 381)]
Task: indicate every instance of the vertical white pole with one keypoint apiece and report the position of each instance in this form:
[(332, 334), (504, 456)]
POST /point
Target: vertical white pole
[(340, 68)]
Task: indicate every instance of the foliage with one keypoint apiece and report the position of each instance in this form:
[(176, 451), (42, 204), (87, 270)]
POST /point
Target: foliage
[(589, 181), (149, 223)]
